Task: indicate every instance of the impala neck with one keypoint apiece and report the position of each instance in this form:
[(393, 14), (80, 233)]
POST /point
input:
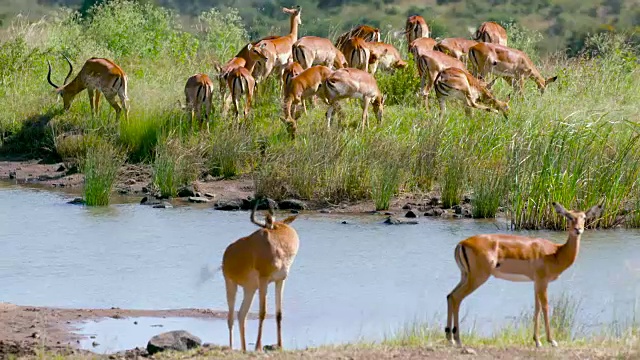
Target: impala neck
[(568, 252), (73, 87), (294, 27)]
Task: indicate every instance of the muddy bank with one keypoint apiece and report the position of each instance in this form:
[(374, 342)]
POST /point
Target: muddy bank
[(26, 329), (134, 183)]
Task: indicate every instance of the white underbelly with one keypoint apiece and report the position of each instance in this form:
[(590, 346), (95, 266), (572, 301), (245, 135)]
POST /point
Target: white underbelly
[(510, 276)]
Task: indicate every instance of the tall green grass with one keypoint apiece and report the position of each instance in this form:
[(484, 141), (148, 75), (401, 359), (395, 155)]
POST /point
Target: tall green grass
[(100, 168), (576, 144)]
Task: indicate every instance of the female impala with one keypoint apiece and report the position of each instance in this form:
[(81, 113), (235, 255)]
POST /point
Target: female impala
[(416, 28), (282, 45), (420, 45), (386, 56), (491, 32), (456, 47), (365, 32), (241, 83), (506, 62), (198, 93), (515, 258), (355, 84), (430, 63), (253, 262), (97, 75), (292, 70), (460, 84), (314, 50), (302, 87), (357, 53)]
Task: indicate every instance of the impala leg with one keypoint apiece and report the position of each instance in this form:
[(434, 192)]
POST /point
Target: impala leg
[(443, 106), (447, 329), (264, 282), (90, 92), (365, 115), (536, 319), (96, 101), (329, 114), (279, 292), (232, 290), (125, 104), (544, 304), (460, 293), (114, 105), (242, 314)]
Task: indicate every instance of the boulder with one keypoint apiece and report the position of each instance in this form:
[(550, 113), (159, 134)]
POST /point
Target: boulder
[(248, 204), (186, 191), (397, 221), (292, 204), (198, 200), (228, 205), (77, 201), (150, 201), (434, 212), (410, 214), (178, 340)]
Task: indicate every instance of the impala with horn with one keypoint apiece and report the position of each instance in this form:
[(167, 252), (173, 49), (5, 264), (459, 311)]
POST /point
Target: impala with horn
[(98, 75), (515, 258), (253, 262)]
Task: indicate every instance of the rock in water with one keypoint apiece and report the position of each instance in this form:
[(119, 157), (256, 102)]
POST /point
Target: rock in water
[(292, 204), (198, 200), (397, 221), (178, 340)]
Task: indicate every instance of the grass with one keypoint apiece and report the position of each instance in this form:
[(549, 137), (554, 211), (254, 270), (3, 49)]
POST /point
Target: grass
[(100, 168), (576, 144)]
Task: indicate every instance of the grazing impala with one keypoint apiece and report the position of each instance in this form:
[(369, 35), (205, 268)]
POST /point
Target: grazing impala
[(355, 84), (491, 32), (292, 70), (241, 83), (282, 45), (314, 50), (460, 84), (198, 93), (506, 62), (420, 45), (365, 32), (97, 75), (357, 53), (254, 261), (430, 63), (515, 258), (456, 47), (385, 56), (416, 28), (302, 87)]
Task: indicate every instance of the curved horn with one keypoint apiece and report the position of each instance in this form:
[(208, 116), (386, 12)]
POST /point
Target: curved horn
[(49, 76), (253, 215), (70, 69)]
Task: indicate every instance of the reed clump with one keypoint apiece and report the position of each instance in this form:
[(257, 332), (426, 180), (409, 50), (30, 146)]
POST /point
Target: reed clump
[(100, 167)]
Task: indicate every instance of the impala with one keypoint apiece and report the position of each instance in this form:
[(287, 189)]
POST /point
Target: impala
[(97, 75), (416, 28), (515, 258), (292, 70), (282, 45), (491, 32), (357, 53), (198, 93), (420, 45), (386, 56), (355, 84), (302, 87), (241, 83), (365, 32), (456, 47), (314, 50), (430, 63), (254, 261), (506, 62), (457, 83)]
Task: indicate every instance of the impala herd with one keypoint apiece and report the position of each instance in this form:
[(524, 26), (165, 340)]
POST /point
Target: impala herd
[(313, 67)]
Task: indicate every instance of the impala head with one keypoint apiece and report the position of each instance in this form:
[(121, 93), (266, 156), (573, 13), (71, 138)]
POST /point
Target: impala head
[(488, 98), (261, 50), (378, 106), (67, 97), (340, 61), (296, 12), (269, 219), (577, 219), (542, 83)]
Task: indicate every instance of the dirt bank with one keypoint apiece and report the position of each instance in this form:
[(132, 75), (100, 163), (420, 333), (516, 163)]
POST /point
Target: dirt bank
[(134, 182)]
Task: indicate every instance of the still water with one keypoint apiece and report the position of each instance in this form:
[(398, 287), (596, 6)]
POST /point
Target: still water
[(357, 281)]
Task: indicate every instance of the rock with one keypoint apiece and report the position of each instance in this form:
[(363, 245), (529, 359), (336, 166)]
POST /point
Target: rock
[(46, 177), (468, 351), (344, 222), (228, 205), (149, 201), (467, 213), (292, 204), (209, 195), (434, 212), (397, 221), (76, 201), (61, 168), (12, 175), (389, 213), (410, 214), (406, 207), (434, 201), (179, 340), (163, 205), (324, 211), (294, 212), (273, 347), (198, 200), (466, 199), (130, 182), (248, 204), (209, 178), (95, 343), (145, 189), (198, 194), (457, 209), (186, 191)]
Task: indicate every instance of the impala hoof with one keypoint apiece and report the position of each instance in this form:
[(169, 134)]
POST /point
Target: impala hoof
[(553, 343), (538, 344)]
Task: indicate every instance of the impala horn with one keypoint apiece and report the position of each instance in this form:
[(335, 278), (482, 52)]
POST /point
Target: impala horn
[(49, 76), (262, 224), (70, 69)]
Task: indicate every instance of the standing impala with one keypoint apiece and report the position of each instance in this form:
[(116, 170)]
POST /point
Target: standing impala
[(416, 28), (282, 45), (314, 50), (430, 63), (254, 261), (97, 75), (292, 70), (365, 32), (460, 84), (506, 62), (386, 56), (456, 47), (420, 45), (357, 53), (241, 83), (355, 84), (491, 32), (300, 88), (515, 258), (198, 93)]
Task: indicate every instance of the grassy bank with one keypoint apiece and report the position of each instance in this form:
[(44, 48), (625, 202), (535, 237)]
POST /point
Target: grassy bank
[(576, 144)]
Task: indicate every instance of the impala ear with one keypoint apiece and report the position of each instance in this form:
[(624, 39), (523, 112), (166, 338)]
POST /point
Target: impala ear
[(290, 219), (249, 46), (594, 212), (263, 45), (562, 211)]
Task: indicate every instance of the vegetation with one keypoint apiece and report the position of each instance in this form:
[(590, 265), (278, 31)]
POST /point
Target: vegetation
[(100, 168), (576, 144)]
